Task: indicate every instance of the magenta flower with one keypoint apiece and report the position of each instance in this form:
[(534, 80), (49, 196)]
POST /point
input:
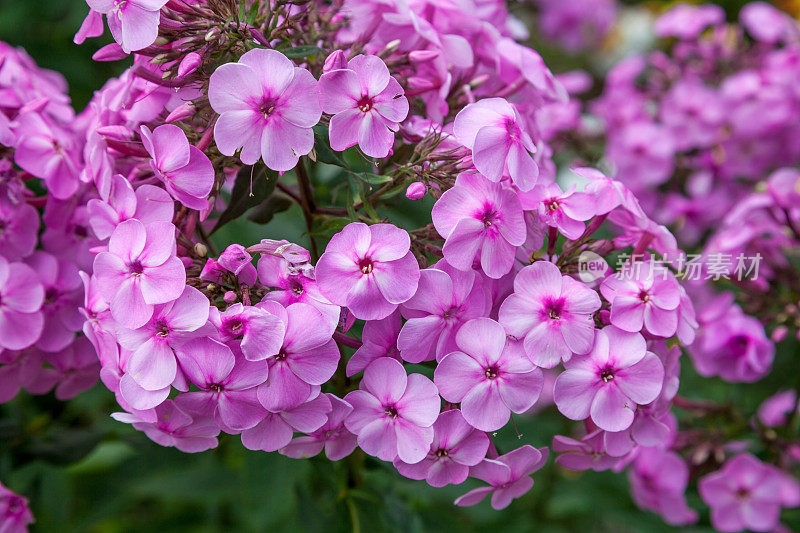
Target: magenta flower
[(456, 446), (480, 218), (565, 211), (48, 152), (133, 23), (15, 515), (276, 429), (307, 358), (148, 204), (379, 340), (588, 453), (488, 376), (644, 295), (153, 365), (261, 332), (776, 409), (659, 479), (446, 299), (368, 269), (236, 259), (187, 173), (62, 298), (21, 298), (611, 381), (20, 224), (494, 131), (76, 368), (393, 413), (747, 494), (333, 436), (508, 477), (367, 105), (171, 425), (139, 270), (267, 108), (228, 383), (552, 313)]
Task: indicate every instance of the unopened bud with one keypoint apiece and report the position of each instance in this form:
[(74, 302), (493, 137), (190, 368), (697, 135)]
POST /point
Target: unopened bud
[(337, 60), (189, 64), (121, 133), (416, 191), (181, 112), (422, 56), (229, 297), (200, 249), (110, 52)]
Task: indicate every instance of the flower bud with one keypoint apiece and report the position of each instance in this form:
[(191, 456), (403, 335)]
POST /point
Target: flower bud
[(189, 64), (181, 112), (336, 60), (229, 297), (200, 249), (422, 56), (416, 191), (110, 52)]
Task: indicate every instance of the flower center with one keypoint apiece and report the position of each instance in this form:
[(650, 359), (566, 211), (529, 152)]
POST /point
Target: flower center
[(136, 268), (644, 295), (366, 266), (281, 355), (441, 452), (607, 374), (742, 493), (267, 107), (390, 410), (296, 287), (552, 204), (216, 387), (365, 104), (235, 325), (162, 329), (554, 309), (488, 217), (491, 372)]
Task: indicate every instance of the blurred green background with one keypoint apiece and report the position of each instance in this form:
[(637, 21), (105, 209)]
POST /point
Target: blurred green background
[(84, 472)]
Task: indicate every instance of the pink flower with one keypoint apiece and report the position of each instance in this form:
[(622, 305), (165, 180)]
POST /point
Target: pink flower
[(133, 23), (456, 446), (15, 515), (267, 108), (644, 295), (236, 259), (48, 152), (480, 218), (508, 477), (748, 494), (393, 413), (333, 436), (608, 384), (367, 105), (500, 145), (658, 481), (588, 453), (379, 340), (76, 368), (21, 298), (20, 224), (565, 211), (186, 172), (774, 411), (153, 365), (552, 313), (276, 429), (228, 383), (368, 269), (147, 204), (446, 298), (489, 377), (261, 332), (307, 358), (139, 270), (171, 425)]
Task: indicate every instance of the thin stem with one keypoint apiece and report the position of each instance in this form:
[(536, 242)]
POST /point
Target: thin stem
[(307, 204), (206, 239)]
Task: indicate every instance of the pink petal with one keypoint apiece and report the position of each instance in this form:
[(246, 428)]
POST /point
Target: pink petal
[(611, 410), (573, 393), (483, 407)]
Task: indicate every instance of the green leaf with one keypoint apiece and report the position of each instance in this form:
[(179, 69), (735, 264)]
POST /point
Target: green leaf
[(322, 147), (300, 51), (250, 189), (264, 213), (331, 226), (374, 179)]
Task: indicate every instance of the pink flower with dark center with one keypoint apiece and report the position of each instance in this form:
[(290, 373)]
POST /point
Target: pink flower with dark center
[(488, 376), (508, 477), (228, 383), (15, 515), (659, 479), (393, 413), (554, 314), (261, 332), (267, 108), (746, 494), (368, 269), (480, 220), (139, 271), (494, 131), (644, 295), (187, 173), (456, 446), (565, 211), (446, 299), (332, 436), (19, 226), (153, 365), (76, 368), (48, 152), (147, 204), (367, 105), (611, 381), (21, 299), (276, 429), (133, 23)]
